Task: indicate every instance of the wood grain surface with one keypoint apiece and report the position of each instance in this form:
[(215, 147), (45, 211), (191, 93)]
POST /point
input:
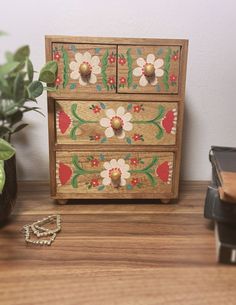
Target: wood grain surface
[(114, 252)]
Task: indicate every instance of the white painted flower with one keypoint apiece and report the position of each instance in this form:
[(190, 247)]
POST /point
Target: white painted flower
[(114, 166), (93, 63), (119, 117), (139, 71)]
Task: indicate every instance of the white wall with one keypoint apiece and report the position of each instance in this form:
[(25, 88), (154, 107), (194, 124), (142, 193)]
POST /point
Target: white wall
[(211, 79)]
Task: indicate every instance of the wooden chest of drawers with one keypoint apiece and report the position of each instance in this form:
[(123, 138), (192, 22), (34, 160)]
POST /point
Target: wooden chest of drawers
[(116, 117)]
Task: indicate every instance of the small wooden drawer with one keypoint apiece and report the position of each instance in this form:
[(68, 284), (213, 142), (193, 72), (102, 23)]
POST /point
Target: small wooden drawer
[(85, 68), (148, 69), (116, 173), (116, 123)]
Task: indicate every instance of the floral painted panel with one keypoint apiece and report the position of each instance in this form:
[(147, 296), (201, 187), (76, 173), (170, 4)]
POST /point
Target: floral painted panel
[(85, 68), (148, 69), (92, 123), (84, 172)]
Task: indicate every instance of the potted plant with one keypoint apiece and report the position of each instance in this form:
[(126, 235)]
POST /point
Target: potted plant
[(17, 89)]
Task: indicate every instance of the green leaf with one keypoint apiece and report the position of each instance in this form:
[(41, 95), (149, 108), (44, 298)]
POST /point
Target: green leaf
[(101, 187), (8, 107), (22, 54), (35, 89), (6, 150), (4, 131), (16, 117), (8, 67), (48, 73), (20, 127), (18, 87), (3, 33), (30, 70), (2, 176)]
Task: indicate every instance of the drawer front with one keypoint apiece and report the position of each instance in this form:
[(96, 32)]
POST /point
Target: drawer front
[(148, 69), (113, 172), (85, 68), (116, 123)]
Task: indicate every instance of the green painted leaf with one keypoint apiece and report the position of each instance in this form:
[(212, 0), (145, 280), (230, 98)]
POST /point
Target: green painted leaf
[(48, 73), (103, 140), (127, 157), (129, 107), (22, 54), (128, 140), (9, 56), (101, 187), (35, 89), (72, 86), (66, 67), (2, 176), (6, 150), (160, 133)]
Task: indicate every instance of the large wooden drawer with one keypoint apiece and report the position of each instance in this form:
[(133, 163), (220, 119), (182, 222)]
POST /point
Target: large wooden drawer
[(91, 174), (141, 123)]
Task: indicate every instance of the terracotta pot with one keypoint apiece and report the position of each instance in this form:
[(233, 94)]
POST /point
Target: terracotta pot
[(8, 196)]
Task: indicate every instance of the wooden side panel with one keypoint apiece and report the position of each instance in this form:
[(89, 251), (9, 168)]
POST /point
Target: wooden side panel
[(144, 123), (101, 60), (90, 173), (131, 65)]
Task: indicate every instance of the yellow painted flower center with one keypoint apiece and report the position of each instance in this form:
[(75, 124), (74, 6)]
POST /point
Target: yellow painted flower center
[(116, 123), (85, 69), (149, 70)]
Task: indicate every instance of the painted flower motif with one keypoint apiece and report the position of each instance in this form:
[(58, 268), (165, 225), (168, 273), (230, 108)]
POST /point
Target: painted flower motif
[(95, 108), (111, 80), (63, 121), (138, 108), (134, 181), (94, 162), (122, 80), (112, 59), (175, 56), (92, 61), (139, 71), (58, 81), (169, 121), (64, 173), (173, 78), (137, 137), (96, 137), (115, 165), (122, 61), (57, 56), (94, 182), (134, 161), (164, 172), (124, 120)]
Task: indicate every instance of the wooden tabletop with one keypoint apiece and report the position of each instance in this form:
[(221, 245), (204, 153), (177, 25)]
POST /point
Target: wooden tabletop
[(121, 253)]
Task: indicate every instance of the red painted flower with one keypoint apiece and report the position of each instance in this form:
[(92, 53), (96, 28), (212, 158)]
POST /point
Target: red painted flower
[(169, 121), (111, 80), (173, 78), (96, 109), (94, 182), (122, 61), (112, 59), (65, 173), (58, 80), (94, 162), (64, 121), (134, 181), (137, 108), (137, 137), (134, 161), (57, 56), (164, 171), (122, 80), (175, 57), (97, 137)]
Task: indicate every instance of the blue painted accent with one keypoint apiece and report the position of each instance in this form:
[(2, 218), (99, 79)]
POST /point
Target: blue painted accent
[(158, 88), (103, 106), (72, 86), (102, 157), (99, 88), (129, 187), (159, 51), (97, 50), (139, 51)]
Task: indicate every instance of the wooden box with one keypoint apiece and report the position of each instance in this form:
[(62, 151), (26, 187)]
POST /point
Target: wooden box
[(116, 117)]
